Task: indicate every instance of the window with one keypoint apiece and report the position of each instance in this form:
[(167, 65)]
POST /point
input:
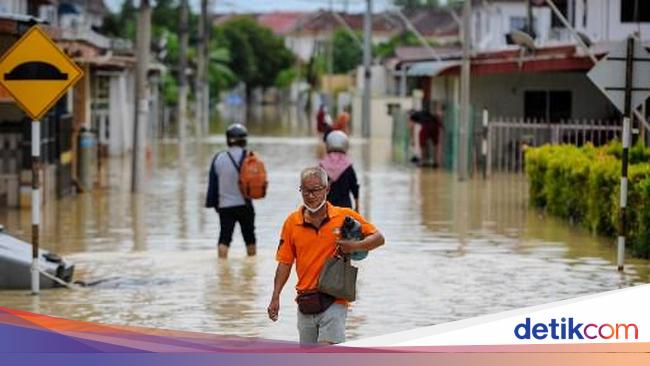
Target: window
[(559, 105), (518, 23), (633, 11), (563, 7), (551, 106)]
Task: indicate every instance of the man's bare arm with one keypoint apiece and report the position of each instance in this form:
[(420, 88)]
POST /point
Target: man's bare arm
[(281, 276)]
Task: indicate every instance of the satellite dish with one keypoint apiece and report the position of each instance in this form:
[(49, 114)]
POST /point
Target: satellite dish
[(522, 39), (585, 39)]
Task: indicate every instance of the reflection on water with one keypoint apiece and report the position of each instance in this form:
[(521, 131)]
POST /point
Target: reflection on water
[(454, 250)]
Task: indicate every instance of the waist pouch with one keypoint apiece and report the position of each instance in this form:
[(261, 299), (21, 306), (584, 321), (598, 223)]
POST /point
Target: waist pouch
[(314, 302)]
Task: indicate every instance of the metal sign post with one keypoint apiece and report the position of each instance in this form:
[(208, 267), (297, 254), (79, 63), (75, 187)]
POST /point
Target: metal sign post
[(630, 62), (37, 74), (622, 227), (36, 202)]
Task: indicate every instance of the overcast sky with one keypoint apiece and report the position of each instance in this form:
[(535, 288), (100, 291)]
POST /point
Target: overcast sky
[(239, 6)]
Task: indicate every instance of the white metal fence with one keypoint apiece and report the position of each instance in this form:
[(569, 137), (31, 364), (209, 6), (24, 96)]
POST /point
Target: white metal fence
[(507, 138)]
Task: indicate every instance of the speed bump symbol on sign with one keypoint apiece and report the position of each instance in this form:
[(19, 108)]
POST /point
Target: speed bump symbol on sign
[(37, 73)]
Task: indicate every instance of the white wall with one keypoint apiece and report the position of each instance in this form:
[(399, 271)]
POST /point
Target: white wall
[(303, 44), (381, 123), (13, 6), (604, 21), (48, 13), (378, 77), (503, 94), (492, 23)]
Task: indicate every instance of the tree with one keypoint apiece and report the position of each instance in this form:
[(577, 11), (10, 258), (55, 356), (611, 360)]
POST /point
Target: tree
[(122, 24), (257, 56), (220, 75), (347, 53), (387, 49), (165, 14), (286, 77)]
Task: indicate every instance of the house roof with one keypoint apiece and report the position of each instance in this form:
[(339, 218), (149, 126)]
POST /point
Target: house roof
[(430, 23), (323, 21), (564, 58), (434, 22), (431, 68), (281, 22), (414, 53)]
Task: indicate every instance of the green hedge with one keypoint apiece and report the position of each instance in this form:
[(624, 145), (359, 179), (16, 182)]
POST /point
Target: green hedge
[(582, 185)]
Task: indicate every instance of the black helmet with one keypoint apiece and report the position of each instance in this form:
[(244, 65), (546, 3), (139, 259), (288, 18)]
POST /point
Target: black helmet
[(236, 134)]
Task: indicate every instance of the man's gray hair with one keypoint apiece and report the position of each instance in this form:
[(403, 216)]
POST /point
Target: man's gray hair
[(314, 171)]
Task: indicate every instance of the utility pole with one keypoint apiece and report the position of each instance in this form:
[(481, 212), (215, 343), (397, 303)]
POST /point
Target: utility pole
[(330, 56), (367, 35), (529, 12), (465, 114), (207, 29), (141, 95), (182, 74), (200, 69)]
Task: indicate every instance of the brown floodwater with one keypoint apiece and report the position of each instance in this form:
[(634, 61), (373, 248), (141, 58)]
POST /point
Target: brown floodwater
[(454, 250)]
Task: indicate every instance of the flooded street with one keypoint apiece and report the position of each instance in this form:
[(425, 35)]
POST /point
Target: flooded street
[(453, 250)]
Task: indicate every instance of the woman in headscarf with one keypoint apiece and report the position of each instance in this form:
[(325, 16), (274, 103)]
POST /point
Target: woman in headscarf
[(342, 177)]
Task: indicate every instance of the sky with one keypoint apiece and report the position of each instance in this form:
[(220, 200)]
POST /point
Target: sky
[(244, 6)]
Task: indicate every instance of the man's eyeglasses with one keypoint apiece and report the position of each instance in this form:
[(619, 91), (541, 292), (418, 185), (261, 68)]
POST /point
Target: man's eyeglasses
[(313, 191)]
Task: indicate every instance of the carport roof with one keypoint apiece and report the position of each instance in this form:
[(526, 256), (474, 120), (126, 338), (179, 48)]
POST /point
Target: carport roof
[(430, 68)]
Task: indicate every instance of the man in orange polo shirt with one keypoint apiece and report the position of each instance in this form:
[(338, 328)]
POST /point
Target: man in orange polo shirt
[(309, 238)]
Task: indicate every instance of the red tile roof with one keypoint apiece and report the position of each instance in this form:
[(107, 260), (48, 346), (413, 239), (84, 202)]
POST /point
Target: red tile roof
[(430, 23), (323, 21), (281, 23)]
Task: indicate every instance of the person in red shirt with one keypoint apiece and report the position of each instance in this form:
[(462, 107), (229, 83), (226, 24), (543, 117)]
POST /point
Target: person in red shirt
[(309, 238), (323, 120), (430, 127)]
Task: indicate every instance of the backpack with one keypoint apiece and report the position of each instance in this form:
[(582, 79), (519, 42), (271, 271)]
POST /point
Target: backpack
[(252, 176)]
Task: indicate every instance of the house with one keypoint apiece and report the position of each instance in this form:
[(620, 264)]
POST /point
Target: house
[(307, 33), (544, 81), (509, 80), (101, 102), (598, 20)]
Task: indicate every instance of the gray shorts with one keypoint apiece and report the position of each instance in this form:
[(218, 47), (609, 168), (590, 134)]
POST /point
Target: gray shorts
[(326, 327)]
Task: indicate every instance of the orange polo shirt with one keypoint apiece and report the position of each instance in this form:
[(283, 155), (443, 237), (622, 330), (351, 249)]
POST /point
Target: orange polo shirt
[(310, 247)]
